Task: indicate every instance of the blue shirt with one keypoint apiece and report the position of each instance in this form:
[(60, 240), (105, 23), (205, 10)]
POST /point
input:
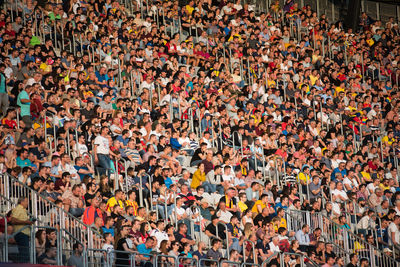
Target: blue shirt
[(25, 107), (304, 239), (23, 163), (143, 250), (2, 83), (174, 143), (336, 170), (168, 182), (108, 230)]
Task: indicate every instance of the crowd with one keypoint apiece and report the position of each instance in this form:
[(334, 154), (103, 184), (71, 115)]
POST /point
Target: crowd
[(199, 128)]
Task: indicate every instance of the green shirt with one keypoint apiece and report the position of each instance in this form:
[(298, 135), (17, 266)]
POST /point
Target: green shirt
[(25, 107)]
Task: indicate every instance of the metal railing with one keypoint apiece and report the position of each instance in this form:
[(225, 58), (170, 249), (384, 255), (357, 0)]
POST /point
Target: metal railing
[(48, 213), (345, 242)]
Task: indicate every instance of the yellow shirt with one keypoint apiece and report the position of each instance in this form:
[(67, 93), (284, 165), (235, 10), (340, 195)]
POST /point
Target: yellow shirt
[(338, 90), (303, 177), (197, 178), (281, 224), (242, 206), (384, 187), (386, 139), (112, 202), (258, 202), (366, 176), (189, 9), (313, 79), (21, 214)]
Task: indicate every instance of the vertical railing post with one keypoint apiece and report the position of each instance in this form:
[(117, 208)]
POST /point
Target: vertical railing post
[(378, 15)]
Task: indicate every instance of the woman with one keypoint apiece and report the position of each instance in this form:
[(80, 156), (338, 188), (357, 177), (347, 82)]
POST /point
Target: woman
[(247, 217), (248, 230), (164, 250), (104, 188), (144, 231), (40, 242), (174, 249), (199, 176), (186, 251), (122, 259)]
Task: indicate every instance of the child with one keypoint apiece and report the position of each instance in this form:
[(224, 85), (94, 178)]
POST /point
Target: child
[(109, 247)]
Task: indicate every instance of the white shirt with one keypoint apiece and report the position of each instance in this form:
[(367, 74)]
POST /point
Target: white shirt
[(160, 235), (393, 229), (227, 177), (273, 248), (103, 145), (82, 148), (108, 248), (224, 216), (342, 193)]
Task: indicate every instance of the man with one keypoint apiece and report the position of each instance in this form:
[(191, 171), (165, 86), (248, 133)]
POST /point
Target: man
[(234, 233), (394, 232), (182, 236), (4, 101), (214, 253), (315, 188), (353, 260), (102, 151), (92, 212), (159, 233), (146, 248), (49, 257), (303, 238), (76, 258), (116, 200), (20, 219), (211, 229), (24, 102), (76, 206), (22, 159)]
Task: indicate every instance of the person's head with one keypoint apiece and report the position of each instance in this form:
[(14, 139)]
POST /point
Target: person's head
[(78, 248), (364, 262), (216, 244), (354, 258), (182, 228), (51, 252), (24, 202), (108, 237)]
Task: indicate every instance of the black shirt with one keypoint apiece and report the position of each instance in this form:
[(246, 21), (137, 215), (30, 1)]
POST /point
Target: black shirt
[(196, 155), (213, 230), (122, 259), (179, 237), (259, 219)]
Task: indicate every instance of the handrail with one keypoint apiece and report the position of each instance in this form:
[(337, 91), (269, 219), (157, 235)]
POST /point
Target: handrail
[(33, 243), (193, 261), (346, 240), (40, 200), (231, 263), (226, 234), (244, 249), (268, 260), (176, 263), (198, 220)]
